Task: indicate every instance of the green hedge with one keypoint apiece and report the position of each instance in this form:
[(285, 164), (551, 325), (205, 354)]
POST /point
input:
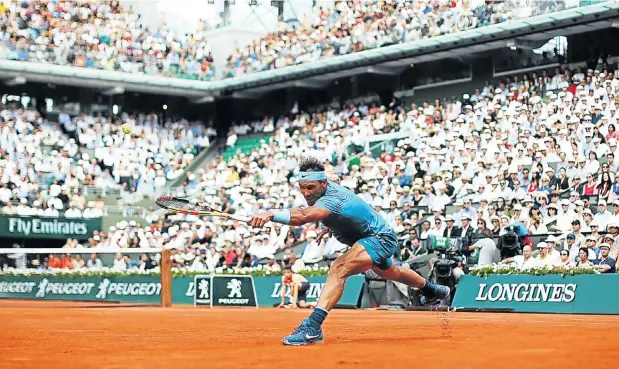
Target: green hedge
[(176, 272), (499, 269)]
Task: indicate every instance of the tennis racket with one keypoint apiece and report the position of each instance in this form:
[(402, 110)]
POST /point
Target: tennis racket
[(192, 207)]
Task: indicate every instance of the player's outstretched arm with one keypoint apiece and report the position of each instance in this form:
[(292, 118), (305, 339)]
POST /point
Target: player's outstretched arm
[(294, 217)]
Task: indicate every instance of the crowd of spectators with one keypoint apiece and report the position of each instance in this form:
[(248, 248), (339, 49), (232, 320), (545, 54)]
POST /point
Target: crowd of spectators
[(536, 150), (108, 36), (155, 152), (41, 170), (45, 167), (356, 25), (100, 34)]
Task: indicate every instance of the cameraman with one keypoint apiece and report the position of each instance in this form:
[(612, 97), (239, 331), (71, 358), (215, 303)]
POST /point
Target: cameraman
[(509, 244), (411, 249)]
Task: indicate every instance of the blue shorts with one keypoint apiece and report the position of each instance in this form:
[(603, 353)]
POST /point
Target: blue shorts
[(381, 248)]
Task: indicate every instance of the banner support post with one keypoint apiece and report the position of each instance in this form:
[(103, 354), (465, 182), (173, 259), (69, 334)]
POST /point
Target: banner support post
[(166, 278)]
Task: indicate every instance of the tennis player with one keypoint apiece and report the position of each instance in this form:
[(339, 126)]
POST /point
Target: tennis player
[(353, 222)]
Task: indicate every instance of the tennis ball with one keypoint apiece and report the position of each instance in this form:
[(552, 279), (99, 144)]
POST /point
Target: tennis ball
[(126, 128)]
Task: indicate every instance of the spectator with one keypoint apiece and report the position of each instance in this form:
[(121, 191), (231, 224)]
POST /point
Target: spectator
[(583, 259), (94, 263), (565, 261), (271, 265), (413, 250), (145, 263), (605, 263), (73, 211), (544, 258), (313, 251), (524, 260), (119, 263)]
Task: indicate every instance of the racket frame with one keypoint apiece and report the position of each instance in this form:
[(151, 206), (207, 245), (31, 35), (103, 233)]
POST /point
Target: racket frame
[(212, 212)]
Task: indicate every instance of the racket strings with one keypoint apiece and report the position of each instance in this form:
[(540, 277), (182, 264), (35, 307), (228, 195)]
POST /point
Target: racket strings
[(184, 205)]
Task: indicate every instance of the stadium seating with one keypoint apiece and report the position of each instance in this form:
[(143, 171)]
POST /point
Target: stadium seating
[(355, 26), (535, 151), (464, 161), (41, 168), (114, 39), (144, 161), (111, 37)]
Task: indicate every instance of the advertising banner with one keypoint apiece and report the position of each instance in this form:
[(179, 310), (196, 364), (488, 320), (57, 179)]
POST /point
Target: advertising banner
[(232, 290), (202, 290), (40, 227), (137, 289), (147, 289), (269, 290), (584, 294)]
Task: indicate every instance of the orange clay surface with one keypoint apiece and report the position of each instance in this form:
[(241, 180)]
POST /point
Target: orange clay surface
[(54, 335)]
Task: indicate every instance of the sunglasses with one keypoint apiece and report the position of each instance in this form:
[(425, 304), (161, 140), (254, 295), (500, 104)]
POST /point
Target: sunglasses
[(564, 254)]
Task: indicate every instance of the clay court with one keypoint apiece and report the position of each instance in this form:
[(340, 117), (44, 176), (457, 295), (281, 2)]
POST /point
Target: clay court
[(73, 335)]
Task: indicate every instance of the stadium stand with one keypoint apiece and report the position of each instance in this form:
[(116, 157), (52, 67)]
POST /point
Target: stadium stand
[(154, 153), (477, 156), (494, 149), (353, 26), (111, 37), (534, 150), (103, 35)]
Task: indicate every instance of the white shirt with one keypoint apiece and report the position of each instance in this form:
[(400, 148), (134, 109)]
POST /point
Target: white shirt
[(555, 257), (521, 263), (120, 265), (73, 213), (51, 212), (312, 252)]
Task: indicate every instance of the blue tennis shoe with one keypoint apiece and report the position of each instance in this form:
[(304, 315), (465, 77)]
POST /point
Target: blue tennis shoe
[(305, 334), (440, 293)]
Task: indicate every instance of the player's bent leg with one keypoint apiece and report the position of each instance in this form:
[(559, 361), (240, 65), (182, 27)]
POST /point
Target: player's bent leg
[(402, 275), (431, 291), (354, 261)]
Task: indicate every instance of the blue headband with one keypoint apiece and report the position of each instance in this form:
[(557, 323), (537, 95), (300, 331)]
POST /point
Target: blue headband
[(311, 176)]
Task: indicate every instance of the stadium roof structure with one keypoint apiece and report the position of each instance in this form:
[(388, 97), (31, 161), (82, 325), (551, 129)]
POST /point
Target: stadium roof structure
[(385, 60)]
